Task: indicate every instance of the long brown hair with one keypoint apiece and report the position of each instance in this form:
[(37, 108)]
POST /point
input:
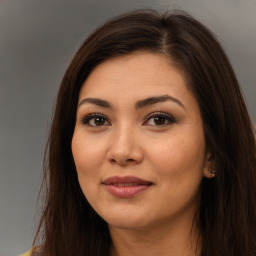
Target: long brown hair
[(227, 215)]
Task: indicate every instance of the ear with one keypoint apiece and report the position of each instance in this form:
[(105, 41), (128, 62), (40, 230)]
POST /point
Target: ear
[(209, 171)]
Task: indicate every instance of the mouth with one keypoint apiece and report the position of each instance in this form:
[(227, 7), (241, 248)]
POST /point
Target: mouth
[(127, 186)]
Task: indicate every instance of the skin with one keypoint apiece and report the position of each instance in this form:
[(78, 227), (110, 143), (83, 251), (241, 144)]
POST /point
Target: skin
[(169, 153)]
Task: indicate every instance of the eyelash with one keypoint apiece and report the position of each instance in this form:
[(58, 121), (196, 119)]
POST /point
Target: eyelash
[(167, 117), (86, 119), (170, 119)]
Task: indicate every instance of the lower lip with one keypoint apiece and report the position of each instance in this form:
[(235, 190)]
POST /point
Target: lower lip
[(126, 192)]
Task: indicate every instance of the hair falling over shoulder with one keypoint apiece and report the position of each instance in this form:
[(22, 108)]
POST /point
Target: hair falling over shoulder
[(227, 215)]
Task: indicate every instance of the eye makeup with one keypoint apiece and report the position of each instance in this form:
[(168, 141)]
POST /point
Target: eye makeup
[(154, 119), (160, 119), (95, 119)]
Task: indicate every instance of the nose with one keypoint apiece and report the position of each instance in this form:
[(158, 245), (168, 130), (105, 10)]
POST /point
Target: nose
[(124, 149)]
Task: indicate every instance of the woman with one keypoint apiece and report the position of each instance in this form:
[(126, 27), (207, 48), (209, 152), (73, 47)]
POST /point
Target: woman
[(151, 149)]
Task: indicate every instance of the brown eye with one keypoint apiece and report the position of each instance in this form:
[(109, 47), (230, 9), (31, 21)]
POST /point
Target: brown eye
[(95, 120), (159, 119)]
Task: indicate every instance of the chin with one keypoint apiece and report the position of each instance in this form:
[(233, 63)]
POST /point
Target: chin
[(127, 221), (127, 225)]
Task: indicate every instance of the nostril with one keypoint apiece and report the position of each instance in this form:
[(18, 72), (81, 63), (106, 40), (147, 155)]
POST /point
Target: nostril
[(124, 155), (112, 160), (123, 161)]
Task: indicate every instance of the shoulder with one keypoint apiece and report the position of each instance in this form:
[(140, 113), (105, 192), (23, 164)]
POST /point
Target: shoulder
[(36, 251), (28, 253)]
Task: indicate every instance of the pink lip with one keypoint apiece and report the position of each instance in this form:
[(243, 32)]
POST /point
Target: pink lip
[(127, 186)]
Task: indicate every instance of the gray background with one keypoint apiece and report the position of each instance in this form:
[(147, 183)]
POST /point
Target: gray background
[(37, 41)]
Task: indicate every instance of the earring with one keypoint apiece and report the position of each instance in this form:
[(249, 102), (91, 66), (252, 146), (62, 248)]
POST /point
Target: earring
[(212, 171)]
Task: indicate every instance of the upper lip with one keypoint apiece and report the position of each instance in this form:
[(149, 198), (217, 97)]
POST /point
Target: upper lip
[(126, 179)]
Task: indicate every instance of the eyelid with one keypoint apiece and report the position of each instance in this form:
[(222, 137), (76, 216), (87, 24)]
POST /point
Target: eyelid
[(86, 118), (169, 117)]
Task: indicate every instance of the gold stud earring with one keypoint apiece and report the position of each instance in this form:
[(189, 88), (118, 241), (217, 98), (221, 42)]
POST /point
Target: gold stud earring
[(212, 172)]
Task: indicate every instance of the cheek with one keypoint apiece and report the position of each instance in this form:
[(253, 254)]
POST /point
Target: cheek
[(178, 162), (178, 154), (88, 156)]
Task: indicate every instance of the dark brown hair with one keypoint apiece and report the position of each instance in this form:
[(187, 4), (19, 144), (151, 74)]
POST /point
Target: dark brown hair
[(227, 215)]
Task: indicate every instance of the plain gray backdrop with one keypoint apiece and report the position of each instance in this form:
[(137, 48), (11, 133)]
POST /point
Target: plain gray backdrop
[(38, 38)]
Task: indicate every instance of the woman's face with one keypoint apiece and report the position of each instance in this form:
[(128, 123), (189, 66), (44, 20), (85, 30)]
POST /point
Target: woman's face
[(138, 143)]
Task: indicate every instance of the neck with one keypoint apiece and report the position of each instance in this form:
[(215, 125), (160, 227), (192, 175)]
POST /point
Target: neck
[(172, 240)]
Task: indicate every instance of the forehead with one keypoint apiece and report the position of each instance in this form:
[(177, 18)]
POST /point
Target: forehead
[(140, 74)]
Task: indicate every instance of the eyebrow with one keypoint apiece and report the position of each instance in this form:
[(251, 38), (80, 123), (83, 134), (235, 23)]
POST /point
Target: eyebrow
[(153, 100), (139, 104), (98, 102)]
